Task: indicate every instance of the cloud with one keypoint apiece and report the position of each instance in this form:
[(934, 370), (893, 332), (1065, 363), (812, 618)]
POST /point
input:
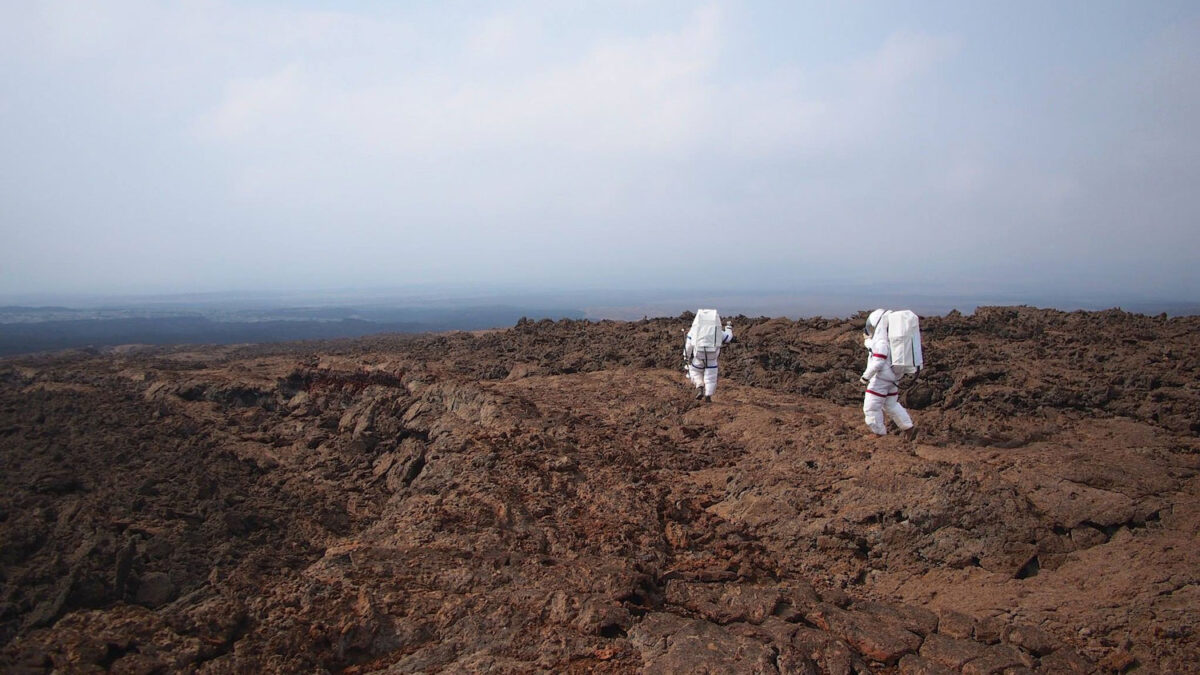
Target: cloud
[(651, 95), (573, 136), (614, 97), (540, 140), (255, 106)]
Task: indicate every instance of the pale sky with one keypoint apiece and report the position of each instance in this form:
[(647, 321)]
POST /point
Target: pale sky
[(156, 147)]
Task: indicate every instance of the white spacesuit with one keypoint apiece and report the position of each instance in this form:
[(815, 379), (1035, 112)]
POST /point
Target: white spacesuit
[(702, 364), (882, 391)]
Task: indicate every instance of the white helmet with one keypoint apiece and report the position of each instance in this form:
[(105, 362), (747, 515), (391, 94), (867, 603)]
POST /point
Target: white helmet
[(872, 321)]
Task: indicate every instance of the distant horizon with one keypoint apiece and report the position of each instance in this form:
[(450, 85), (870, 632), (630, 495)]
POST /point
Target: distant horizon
[(234, 318), (824, 299)]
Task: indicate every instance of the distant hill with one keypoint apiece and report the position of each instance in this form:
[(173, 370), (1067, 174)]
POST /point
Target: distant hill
[(41, 329)]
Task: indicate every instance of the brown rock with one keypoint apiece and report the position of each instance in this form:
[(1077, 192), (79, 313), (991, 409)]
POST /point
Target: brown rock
[(82, 651), (1030, 638), (408, 463), (748, 603), (951, 652), (1118, 661), (597, 617), (673, 644), (831, 655), (875, 638), (124, 566), (835, 596), (727, 603), (791, 657), (956, 624), (1011, 559), (298, 401), (997, 659), (1053, 543), (138, 664), (436, 499), (915, 665), (1052, 561), (795, 601), (48, 610), (383, 464), (563, 464), (1071, 504), (989, 629), (914, 619), (790, 662), (1086, 536), (156, 589), (1067, 660)]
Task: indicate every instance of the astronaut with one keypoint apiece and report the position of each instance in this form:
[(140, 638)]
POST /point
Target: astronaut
[(882, 397), (702, 360)]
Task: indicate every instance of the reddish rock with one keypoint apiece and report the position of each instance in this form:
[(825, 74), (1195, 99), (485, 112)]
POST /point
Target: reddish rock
[(440, 530), (989, 629), (951, 652), (830, 654), (725, 603), (997, 659), (597, 617), (1117, 661), (876, 639), (1067, 660), (835, 596), (796, 600), (1030, 638), (1010, 559), (1086, 536), (956, 624), (672, 644), (914, 619), (791, 656), (915, 665)]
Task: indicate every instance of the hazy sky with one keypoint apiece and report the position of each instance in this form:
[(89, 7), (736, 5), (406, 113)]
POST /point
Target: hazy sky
[(150, 147)]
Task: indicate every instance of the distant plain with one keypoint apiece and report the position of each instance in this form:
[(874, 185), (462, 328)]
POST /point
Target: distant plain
[(47, 323)]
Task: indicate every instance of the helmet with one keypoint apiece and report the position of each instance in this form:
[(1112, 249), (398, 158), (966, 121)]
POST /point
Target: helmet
[(872, 321)]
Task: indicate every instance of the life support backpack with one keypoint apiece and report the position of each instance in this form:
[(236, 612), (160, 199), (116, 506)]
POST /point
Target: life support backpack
[(706, 331), (904, 341)]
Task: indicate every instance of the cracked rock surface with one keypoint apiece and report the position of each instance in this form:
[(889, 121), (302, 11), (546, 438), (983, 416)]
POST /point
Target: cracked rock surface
[(549, 498)]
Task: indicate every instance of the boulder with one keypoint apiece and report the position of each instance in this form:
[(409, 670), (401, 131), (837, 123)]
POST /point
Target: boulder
[(876, 638), (998, 659), (1030, 638), (154, 590), (673, 644), (951, 652)]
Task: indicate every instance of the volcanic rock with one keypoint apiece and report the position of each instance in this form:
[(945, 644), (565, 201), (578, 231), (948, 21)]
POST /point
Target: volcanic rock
[(396, 503)]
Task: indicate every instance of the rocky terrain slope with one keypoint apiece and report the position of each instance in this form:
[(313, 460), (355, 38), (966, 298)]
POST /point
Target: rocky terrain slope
[(550, 498)]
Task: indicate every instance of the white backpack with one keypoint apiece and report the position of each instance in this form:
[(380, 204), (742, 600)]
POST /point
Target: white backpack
[(904, 341), (706, 331)]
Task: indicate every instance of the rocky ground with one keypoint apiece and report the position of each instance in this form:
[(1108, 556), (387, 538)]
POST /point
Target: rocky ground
[(549, 498)]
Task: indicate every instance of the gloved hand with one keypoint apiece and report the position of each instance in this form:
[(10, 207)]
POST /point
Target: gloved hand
[(863, 381)]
